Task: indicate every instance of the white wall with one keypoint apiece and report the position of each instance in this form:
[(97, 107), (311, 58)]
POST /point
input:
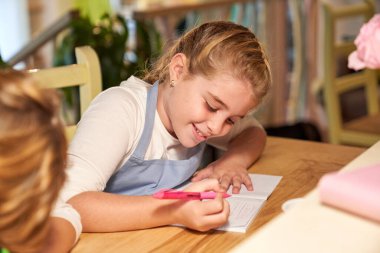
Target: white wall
[(14, 27)]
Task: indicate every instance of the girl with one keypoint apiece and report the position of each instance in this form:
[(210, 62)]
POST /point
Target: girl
[(32, 161), (137, 138)]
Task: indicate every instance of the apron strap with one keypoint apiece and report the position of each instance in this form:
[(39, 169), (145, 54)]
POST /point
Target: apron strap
[(151, 105)]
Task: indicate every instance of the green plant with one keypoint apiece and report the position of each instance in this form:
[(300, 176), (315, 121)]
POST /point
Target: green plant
[(109, 39), (3, 64)]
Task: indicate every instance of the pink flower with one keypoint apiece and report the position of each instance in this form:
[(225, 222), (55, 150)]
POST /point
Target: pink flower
[(367, 43)]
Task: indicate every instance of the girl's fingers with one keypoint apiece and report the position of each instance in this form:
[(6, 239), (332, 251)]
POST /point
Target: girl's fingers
[(225, 182), (202, 174), (236, 184), (217, 213), (215, 206), (247, 182)]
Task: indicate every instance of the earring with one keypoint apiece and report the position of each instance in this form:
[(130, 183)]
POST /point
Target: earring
[(171, 83)]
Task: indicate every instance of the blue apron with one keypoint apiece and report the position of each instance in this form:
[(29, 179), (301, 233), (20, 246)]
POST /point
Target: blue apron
[(144, 177)]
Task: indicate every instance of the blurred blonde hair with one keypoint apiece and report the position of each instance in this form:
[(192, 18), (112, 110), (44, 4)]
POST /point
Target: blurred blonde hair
[(32, 160), (215, 47)]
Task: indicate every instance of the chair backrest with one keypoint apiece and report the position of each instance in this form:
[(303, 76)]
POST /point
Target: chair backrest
[(86, 74), (335, 86)]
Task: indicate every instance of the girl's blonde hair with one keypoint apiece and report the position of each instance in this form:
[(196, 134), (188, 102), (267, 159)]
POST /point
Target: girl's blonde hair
[(32, 160), (219, 46)]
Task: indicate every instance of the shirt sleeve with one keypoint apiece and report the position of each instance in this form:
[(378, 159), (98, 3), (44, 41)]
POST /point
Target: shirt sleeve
[(240, 126), (66, 211)]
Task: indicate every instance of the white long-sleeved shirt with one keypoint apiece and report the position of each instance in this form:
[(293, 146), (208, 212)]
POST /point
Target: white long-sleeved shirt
[(106, 137)]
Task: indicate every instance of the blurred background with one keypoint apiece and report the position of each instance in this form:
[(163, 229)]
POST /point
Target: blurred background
[(129, 34)]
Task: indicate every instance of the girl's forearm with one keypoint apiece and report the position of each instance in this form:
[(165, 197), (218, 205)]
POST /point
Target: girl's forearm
[(105, 212)]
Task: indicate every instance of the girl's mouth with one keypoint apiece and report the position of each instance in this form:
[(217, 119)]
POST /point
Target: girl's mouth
[(198, 135)]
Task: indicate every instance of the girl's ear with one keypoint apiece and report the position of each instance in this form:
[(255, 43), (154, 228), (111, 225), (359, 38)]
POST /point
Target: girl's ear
[(177, 66)]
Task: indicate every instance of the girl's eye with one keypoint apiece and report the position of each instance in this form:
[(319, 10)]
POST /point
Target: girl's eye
[(210, 108), (230, 121)]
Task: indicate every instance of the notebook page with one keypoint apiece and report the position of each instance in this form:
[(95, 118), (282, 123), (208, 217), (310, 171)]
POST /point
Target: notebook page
[(242, 212), (263, 186)]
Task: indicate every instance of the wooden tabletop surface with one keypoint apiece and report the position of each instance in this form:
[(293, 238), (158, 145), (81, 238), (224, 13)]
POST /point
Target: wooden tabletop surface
[(301, 163)]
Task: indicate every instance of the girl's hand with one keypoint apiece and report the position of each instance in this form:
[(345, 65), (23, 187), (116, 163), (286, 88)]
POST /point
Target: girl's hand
[(226, 175), (202, 215)]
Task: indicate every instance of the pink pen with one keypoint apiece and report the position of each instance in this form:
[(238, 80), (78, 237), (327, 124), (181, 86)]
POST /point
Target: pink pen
[(172, 194)]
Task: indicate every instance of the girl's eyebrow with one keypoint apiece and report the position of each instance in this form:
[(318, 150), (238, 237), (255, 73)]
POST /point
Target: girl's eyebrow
[(218, 100)]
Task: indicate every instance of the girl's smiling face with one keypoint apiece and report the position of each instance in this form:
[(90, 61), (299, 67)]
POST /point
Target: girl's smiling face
[(198, 108)]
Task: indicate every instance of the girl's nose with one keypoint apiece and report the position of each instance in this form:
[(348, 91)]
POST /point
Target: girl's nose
[(215, 125)]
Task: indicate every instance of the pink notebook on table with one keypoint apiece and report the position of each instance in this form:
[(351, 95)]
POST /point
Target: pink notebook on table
[(357, 191)]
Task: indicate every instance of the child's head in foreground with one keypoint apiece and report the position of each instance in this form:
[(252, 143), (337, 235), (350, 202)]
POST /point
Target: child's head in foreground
[(32, 160)]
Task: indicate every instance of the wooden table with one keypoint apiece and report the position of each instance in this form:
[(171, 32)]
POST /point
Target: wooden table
[(301, 163), (313, 227)]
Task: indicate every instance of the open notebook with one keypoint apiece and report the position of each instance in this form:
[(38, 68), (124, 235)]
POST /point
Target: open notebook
[(246, 205)]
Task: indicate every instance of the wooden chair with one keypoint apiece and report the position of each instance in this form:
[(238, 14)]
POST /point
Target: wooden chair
[(86, 74), (365, 130)]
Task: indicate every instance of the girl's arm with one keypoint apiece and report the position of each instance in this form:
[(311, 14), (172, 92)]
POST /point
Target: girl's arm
[(107, 212), (61, 236), (231, 167)]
